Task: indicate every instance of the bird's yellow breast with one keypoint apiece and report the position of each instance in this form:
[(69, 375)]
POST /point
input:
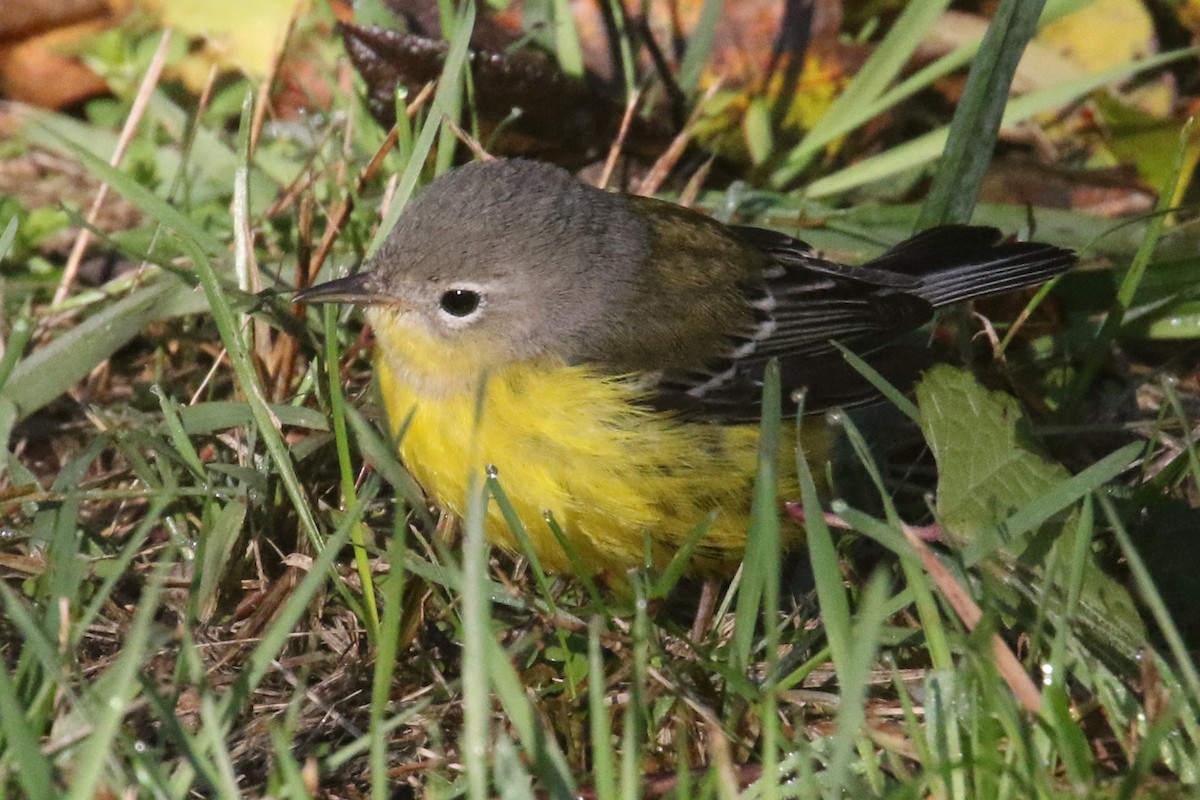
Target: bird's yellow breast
[(577, 444)]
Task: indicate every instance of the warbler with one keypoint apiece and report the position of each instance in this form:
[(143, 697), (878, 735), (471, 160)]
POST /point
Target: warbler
[(604, 353)]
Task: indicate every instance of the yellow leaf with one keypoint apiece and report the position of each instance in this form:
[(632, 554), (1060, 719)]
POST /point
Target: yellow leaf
[(1103, 34), (238, 34)]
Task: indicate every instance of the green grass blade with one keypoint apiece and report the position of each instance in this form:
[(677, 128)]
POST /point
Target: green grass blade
[(822, 555), (101, 594), (219, 415), (759, 593), (51, 370), (21, 751), (976, 122), (275, 638), (239, 358), (762, 567), (869, 102), (881, 69), (700, 45), (1076, 565), (121, 680), (477, 633), (1060, 496), (456, 84), (19, 334), (633, 736), (180, 737), (342, 756), (179, 436), (385, 662), (445, 103), (517, 528), (22, 327), (682, 558), (625, 45), (854, 677), (603, 760), (212, 734), (7, 238), (148, 202), (892, 536), (288, 772), (37, 644), (382, 458), (566, 40), (925, 149), (885, 388), (450, 578), (337, 412), (215, 551), (1101, 346), (549, 763), (578, 565), (1157, 608), (509, 770)]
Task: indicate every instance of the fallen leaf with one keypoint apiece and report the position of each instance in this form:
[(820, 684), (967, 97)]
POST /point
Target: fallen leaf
[(562, 119), (1102, 34), (39, 40), (241, 35)]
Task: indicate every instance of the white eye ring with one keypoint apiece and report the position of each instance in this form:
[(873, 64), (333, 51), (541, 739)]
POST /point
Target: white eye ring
[(461, 304)]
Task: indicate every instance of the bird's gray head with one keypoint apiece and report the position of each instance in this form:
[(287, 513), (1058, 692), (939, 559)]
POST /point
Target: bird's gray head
[(512, 256)]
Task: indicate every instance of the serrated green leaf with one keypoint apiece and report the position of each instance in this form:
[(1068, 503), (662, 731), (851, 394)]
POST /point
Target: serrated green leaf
[(989, 480), (985, 472)]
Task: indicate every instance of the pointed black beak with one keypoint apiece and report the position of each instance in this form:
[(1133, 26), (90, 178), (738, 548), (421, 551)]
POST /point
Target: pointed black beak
[(357, 289)]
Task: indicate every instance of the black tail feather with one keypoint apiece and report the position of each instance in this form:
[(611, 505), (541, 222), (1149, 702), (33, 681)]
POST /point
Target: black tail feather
[(962, 262)]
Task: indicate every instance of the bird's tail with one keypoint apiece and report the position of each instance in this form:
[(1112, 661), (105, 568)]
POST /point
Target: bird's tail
[(963, 262)]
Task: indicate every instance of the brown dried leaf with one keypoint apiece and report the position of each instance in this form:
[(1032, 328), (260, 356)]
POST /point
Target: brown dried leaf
[(42, 71), (562, 119)]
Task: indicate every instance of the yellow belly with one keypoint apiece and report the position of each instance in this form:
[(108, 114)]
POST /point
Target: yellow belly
[(575, 444)]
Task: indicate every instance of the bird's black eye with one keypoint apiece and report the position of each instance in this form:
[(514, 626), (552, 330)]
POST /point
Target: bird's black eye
[(460, 302)]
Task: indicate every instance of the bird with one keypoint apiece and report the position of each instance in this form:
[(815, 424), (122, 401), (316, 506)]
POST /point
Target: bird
[(602, 355)]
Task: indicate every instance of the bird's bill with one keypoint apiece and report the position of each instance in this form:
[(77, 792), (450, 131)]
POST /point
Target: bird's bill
[(357, 289)]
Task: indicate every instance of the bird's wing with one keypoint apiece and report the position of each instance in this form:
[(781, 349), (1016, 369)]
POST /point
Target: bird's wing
[(801, 306), (804, 304)]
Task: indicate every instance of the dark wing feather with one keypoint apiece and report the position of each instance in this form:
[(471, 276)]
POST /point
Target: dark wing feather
[(804, 303), (955, 263)]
